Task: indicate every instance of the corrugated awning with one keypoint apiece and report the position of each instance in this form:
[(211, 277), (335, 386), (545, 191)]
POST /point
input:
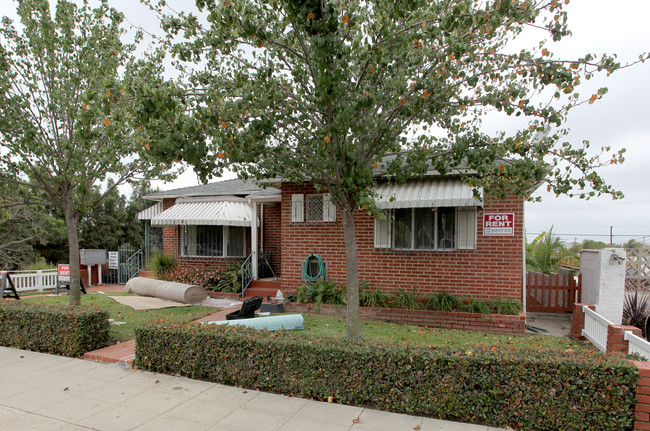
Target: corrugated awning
[(150, 212), (427, 194), (222, 213)]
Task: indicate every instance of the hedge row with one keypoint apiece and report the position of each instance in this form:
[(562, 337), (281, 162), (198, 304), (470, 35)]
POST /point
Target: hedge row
[(522, 389), (61, 330)]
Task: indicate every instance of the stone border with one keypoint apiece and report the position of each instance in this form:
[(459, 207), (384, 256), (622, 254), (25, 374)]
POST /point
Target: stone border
[(496, 323)]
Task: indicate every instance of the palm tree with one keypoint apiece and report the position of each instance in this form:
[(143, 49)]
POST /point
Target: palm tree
[(545, 253)]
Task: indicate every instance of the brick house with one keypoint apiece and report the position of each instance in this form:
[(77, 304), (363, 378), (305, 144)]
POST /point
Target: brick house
[(434, 235)]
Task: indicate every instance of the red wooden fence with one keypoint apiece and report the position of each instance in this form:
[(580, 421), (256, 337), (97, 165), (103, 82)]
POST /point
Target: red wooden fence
[(552, 293)]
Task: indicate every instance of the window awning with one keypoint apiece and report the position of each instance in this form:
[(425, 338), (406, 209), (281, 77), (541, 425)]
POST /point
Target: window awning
[(427, 194), (150, 212), (222, 213)]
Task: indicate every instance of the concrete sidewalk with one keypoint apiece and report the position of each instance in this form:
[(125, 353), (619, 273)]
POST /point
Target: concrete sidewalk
[(47, 392)]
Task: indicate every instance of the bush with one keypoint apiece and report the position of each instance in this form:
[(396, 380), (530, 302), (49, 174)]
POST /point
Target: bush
[(444, 301), (321, 292), (229, 280), (61, 330), (161, 264), (522, 389), (374, 298), (197, 275), (407, 300), (635, 311), (505, 306), (476, 306)]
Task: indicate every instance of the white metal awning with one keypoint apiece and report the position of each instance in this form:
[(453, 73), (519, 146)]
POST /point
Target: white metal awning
[(222, 213), (427, 194), (150, 212)]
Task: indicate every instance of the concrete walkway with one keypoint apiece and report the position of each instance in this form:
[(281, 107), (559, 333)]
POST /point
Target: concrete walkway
[(47, 392)]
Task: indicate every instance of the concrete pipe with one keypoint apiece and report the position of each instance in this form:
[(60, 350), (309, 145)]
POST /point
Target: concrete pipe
[(179, 292)]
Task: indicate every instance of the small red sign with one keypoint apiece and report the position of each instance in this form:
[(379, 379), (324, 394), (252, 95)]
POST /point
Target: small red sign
[(64, 272), (499, 224)]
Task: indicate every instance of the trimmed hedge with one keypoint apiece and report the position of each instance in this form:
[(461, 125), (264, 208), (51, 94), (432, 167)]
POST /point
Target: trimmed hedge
[(61, 330), (523, 389)]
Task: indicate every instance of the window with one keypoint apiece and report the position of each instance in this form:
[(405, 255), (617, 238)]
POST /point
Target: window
[(214, 241), (444, 228), (312, 208)]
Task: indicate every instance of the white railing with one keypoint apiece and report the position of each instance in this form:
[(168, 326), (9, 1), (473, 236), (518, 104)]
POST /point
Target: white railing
[(637, 344), (34, 280), (595, 328)]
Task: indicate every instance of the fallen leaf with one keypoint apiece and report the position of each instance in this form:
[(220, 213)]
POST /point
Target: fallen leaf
[(355, 421), (330, 399), (417, 427), (67, 388)]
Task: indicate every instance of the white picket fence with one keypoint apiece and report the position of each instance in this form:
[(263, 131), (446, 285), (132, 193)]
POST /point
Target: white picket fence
[(596, 331), (595, 328), (34, 280)]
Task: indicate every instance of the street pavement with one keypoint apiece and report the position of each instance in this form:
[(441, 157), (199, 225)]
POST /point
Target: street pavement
[(53, 393)]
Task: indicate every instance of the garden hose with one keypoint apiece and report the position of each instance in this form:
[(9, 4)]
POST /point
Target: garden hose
[(311, 279)]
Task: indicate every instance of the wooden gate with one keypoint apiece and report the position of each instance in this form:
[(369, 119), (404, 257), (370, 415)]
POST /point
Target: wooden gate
[(552, 293)]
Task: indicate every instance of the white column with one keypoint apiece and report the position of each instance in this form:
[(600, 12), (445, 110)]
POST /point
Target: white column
[(603, 281), (254, 241)]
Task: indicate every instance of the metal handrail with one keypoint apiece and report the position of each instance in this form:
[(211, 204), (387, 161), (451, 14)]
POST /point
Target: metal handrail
[(246, 274)]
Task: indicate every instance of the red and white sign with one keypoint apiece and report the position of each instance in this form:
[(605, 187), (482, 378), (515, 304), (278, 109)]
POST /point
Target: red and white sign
[(64, 272), (499, 224)]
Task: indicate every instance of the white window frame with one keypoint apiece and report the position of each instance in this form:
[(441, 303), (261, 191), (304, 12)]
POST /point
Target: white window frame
[(190, 231), (300, 213), (465, 225)]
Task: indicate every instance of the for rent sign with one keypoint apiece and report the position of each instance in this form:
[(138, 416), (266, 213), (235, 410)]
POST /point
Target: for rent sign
[(64, 272), (499, 224)]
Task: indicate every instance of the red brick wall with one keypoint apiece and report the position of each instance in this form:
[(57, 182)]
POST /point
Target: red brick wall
[(272, 234), (494, 269)]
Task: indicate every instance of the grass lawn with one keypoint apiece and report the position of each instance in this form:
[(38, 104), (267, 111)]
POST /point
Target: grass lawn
[(335, 327), (122, 313)]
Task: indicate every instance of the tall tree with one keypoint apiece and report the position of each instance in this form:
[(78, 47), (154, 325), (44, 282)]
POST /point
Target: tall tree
[(328, 91), (68, 87)]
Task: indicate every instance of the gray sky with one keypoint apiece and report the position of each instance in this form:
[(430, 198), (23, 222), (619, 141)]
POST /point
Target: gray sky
[(621, 119)]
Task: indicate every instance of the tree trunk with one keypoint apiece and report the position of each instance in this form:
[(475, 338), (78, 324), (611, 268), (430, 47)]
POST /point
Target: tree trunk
[(352, 275), (73, 251)]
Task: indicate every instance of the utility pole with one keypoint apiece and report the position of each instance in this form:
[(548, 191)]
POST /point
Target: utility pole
[(611, 237)]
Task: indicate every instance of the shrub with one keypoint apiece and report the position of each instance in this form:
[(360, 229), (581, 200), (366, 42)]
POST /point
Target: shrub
[(161, 264), (321, 292), (635, 311), (504, 387), (473, 305), (61, 330), (505, 306), (198, 275), (407, 300), (230, 280), (444, 301), (374, 298)]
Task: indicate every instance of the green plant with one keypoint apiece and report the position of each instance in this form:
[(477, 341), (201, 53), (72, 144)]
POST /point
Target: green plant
[(500, 387), (635, 310), (444, 301), (407, 300), (321, 292), (473, 305), (506, 306), (230, 279), (374, 298), (161, 264), (61, 330)]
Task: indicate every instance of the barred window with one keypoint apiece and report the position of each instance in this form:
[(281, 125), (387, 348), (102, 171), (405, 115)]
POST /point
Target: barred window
[(444, 228), (312, 208), (214, 241)]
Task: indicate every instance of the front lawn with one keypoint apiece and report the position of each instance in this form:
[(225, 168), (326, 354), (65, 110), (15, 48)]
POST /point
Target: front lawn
[(319, 326), (122, 313)]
